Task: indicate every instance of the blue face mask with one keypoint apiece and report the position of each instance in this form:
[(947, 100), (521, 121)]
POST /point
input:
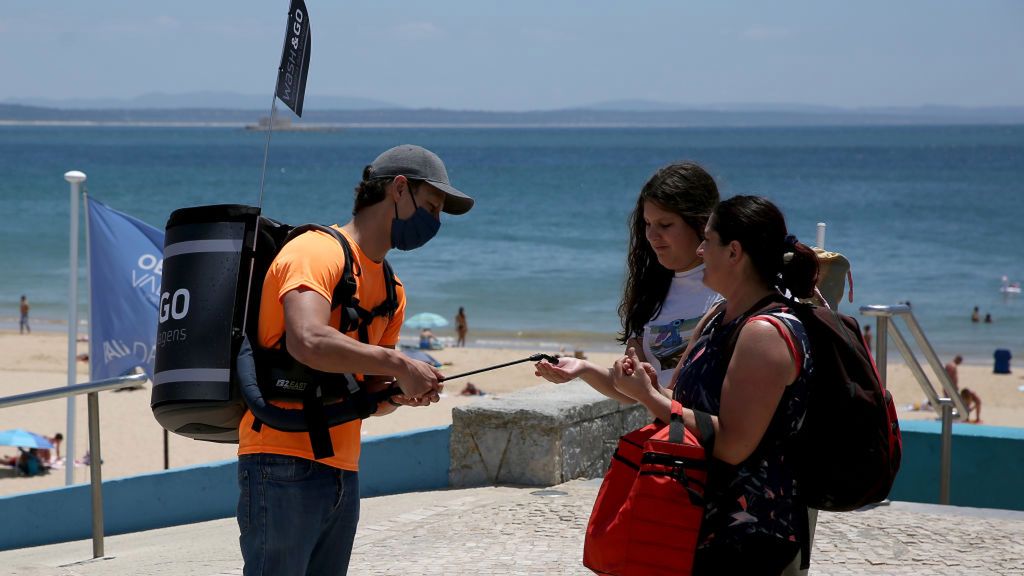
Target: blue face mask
[(415, 231)]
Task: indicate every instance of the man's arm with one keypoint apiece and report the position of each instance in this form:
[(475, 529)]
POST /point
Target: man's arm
[(313, 342)]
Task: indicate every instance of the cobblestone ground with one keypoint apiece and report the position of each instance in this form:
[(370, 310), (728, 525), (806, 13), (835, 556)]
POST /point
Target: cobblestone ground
[(526, 531), (529, 532), (885, 541)]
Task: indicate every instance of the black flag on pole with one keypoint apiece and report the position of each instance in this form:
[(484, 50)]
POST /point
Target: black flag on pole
[(291, 75)]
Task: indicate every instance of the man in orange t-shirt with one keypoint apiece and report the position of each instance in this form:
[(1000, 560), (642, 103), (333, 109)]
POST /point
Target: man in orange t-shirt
[(297, 515)]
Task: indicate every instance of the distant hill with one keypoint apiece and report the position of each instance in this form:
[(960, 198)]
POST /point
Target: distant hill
[(219, 100), (656, 106), (599, 115), (1006, 113)]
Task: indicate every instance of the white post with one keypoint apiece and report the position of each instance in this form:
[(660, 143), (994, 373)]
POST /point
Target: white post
[(75, 178), (820, 240)]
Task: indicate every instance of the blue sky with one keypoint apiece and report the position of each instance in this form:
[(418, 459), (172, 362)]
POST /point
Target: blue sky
[(527, 54)]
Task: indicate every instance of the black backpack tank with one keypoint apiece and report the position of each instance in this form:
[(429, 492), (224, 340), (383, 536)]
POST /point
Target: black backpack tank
[(202, 314), (207, 373)]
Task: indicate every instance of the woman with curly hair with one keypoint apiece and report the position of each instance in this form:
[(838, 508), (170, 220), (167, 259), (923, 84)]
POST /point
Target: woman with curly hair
[(664, 296)]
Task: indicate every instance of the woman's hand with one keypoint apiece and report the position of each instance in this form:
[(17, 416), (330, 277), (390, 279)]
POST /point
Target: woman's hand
[(567, 369), (634, 378)]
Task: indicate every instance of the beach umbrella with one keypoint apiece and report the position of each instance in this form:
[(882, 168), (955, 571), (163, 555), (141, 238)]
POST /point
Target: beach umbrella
[(425, 320), (23, 439)]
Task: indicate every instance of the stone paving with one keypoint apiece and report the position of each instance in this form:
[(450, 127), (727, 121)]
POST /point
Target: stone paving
[(528, 531), (541, 532)]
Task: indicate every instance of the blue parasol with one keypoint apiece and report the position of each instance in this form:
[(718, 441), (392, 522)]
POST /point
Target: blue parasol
[(23, 439), (425, 320)]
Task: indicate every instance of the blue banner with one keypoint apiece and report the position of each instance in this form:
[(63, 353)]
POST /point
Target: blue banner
[(125, 267)]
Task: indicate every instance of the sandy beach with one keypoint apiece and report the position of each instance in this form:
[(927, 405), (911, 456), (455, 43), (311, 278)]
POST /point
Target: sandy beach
[(132, 441)]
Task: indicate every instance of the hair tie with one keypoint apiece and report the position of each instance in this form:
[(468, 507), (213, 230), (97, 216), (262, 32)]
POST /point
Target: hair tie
[(788, 246)]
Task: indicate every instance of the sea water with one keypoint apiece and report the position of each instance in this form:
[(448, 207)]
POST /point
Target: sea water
[(930, 215)]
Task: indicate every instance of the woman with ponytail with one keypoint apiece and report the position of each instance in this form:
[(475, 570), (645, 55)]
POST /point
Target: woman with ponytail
[(754, 520)]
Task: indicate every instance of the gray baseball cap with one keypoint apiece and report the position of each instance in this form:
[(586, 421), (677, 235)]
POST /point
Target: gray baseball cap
[(418, 163)]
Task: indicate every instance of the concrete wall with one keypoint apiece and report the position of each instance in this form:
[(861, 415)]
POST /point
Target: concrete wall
[(392, 464), (988, 465), (543, 436)]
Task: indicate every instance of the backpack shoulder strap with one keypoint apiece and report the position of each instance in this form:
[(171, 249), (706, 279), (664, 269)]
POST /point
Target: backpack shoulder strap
[(746, 317), (782, 321), (345, 289), (390, 303)]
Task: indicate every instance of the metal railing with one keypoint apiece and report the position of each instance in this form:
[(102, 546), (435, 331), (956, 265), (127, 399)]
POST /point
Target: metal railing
[(95, 475), (947, 407), (885, 329)]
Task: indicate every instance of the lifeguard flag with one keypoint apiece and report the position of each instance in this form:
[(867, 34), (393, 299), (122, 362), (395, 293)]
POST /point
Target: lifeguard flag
[(126, 258), (291, 75)]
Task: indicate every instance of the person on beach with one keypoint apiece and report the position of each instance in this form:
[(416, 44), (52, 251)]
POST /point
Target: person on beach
[(664, 295), (428, 341), (952, 372), (971, 400), (51, 457), (23, 326), (461, 328), (975, 315), (973, 404), (29, 463), (298, 515), (754, 522)]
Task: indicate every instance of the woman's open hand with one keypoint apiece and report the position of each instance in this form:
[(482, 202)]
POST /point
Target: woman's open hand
[(567, 369)]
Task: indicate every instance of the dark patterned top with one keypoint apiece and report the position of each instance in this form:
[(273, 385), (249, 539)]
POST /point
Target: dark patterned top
[(759, 496)]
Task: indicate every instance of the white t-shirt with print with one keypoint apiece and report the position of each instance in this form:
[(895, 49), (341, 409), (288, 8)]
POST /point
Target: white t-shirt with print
[(667, 334)]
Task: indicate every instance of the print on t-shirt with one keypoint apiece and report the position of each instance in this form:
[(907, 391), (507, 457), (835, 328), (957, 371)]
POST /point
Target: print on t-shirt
[(667, 342)]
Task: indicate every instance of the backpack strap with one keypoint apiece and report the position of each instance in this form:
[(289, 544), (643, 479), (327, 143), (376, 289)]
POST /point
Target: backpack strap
[(785, 329), (315, 416), (353, 316), (745, 317), (359, 405)]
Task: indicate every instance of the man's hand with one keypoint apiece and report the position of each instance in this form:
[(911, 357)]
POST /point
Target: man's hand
[(420, 385), (425, 400)]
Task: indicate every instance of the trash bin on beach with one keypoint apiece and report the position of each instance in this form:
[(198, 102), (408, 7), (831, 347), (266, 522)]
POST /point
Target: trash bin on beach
[(1002, 356)]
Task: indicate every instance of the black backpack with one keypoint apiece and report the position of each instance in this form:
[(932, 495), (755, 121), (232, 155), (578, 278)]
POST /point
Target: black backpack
[(206, 370), (849, 447)]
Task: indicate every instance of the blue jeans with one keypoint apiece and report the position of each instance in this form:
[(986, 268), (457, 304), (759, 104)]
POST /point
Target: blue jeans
[(296, 517)]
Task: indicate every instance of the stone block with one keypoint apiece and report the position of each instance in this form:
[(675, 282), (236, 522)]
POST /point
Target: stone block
[(542, 436)]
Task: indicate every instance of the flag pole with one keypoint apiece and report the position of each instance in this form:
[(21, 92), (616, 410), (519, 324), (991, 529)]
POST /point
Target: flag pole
[(270, 128), (266, 147), (88, 277), (75, 178), (297, 23), (259, 203)]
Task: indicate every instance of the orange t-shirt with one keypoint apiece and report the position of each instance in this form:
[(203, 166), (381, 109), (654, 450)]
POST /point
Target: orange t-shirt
[(315, 261)]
